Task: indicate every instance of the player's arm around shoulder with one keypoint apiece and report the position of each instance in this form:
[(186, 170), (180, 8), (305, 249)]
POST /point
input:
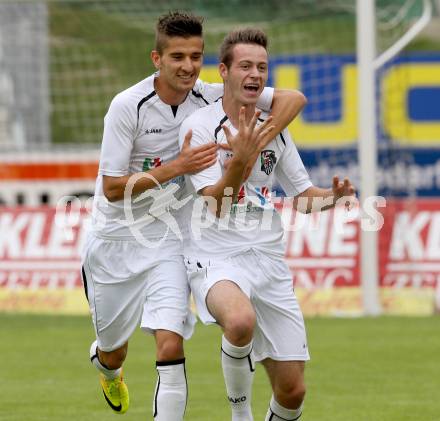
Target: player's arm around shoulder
[(286, 105), (209, 91)]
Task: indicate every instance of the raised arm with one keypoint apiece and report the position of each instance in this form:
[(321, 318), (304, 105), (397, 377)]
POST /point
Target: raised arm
[(243, 145), (286, 105)]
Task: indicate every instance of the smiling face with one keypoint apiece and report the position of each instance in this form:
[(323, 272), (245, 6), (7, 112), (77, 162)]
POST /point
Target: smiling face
[(179, 64), (247, 73)]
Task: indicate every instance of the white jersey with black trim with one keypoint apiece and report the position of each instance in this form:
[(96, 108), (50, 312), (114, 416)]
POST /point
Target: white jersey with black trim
[(140, 133), (253, 222)]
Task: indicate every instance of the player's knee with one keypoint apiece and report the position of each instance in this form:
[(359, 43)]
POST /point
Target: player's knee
[(291, 395), (240, 326), (170, 349)]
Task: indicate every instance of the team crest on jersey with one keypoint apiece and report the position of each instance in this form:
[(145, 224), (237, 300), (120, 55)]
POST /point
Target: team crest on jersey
[(268, 160), (150, 163)]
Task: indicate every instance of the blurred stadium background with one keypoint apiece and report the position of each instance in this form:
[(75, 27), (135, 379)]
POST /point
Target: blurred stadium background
[(61, 62)]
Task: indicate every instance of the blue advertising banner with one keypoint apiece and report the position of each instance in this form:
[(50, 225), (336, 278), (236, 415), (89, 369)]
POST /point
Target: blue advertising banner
[(408, 90)]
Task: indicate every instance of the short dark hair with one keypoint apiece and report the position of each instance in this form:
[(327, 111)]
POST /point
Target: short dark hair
[(177, 24), (240, 36)]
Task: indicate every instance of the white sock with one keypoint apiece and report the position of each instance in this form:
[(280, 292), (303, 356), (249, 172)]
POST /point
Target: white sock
[(276, 412), (171, 391), (238, 371), (108, 373)]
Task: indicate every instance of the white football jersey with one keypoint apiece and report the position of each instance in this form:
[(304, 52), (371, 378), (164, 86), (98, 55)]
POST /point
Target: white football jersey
[(253, 221), (140, 133)]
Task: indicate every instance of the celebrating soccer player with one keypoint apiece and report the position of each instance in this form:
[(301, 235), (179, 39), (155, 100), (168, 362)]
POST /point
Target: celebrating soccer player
[(236, 268)]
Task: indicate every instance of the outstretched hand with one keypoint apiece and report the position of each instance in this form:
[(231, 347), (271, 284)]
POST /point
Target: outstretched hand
[(343, 189)]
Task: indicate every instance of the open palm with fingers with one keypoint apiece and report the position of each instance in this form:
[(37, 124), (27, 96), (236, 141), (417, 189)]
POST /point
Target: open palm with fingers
[(342, 188), (249, 138)]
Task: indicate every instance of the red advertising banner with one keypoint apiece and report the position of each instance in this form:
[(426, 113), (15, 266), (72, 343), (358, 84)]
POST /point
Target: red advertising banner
[(410, 246), (324, 255), (40, 259)]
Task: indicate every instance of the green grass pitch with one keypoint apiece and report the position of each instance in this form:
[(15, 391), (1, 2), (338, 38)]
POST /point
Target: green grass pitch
[(367, 369)]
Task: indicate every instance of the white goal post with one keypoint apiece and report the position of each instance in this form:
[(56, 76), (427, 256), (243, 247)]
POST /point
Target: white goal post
[(368, 64)]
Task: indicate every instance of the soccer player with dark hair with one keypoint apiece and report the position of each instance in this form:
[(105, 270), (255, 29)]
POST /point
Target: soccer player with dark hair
[(236, 265), (133, 265)]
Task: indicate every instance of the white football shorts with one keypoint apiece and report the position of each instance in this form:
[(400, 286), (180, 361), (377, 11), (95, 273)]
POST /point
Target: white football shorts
[(128, 283), (280, 332)]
